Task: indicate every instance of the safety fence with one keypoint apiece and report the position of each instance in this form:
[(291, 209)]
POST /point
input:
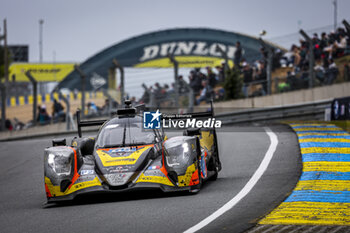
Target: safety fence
[(305, 111)]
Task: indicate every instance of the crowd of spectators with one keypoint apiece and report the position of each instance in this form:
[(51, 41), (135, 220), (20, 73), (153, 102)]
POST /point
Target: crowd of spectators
[(203, 85), (325, 48)]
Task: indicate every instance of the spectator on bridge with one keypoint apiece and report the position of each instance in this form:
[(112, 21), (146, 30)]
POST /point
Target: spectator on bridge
[(202, 77), (296, 58), (211, 77), (331, 72), (319, 72), (263, 53), (221, 74), (304, 78), (158, 94), (339, 47), (166, 89), (171, 91), (157, 90), (277, 56), (292, 80), (324, 41), (262, 76), (237, 54), (195, 82), (144, 98), (247, 78), (315, 39), (182, 85), (206, 93), (219, 94)]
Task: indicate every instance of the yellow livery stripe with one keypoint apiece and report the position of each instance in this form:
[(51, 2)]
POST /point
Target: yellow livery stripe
[(184, 180), (108, 160), (154, 179), (207, 140), (318, 213), (56, 190), (319, 185), (326, 166)]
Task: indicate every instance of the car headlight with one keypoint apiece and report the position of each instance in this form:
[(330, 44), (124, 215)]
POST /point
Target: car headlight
[(178, 155), (61, 164)]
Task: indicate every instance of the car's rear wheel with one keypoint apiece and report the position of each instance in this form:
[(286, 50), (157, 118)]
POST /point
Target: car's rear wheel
[(213, 168)]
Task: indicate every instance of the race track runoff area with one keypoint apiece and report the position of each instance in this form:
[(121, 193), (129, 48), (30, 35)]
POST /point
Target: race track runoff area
[(322, 195)]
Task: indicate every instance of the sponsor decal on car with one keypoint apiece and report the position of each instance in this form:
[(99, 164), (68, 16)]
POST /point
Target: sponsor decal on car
[(124, 149), (87, 172)]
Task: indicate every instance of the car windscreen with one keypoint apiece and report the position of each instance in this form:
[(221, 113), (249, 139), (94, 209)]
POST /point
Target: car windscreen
[(124, 133)]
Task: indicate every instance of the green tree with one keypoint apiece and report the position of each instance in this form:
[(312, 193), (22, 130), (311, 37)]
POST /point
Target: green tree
[(233, 84), (2, 61)]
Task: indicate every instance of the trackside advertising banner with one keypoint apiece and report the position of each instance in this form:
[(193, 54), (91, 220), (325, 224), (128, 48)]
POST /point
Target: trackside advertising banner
[(42, 72), (341, 109)]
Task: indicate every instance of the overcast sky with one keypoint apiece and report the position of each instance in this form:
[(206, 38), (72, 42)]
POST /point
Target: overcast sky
[(77, 29)]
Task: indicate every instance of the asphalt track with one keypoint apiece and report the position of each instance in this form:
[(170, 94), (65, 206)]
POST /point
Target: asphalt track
[(241, 149)]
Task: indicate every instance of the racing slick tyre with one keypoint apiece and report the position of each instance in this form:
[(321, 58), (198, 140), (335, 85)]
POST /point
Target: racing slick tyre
[(217, 158), (213, 166)]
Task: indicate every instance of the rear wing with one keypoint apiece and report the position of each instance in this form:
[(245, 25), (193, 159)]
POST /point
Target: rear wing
[(81, 124)]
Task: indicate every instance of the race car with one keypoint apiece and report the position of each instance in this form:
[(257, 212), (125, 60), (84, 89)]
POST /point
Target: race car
[(124, 156)]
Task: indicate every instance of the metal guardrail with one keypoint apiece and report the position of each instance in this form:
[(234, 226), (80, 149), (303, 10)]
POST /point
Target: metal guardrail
[(305, 111)]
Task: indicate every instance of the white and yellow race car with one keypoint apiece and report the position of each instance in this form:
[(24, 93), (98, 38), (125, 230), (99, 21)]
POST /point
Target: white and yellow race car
[(125, 156)]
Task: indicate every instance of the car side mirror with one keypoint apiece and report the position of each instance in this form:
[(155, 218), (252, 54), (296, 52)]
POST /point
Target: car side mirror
[(192, 132), (59, 142), (153, 153)]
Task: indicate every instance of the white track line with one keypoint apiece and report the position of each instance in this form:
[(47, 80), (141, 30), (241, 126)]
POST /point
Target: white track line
[(246, 189)]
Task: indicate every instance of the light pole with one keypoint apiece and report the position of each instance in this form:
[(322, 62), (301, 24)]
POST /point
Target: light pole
[(41, 22), (83, 85), (270, 51), (3, 86), (122, 89), (335, 3), (311, 57), (176, 71)]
